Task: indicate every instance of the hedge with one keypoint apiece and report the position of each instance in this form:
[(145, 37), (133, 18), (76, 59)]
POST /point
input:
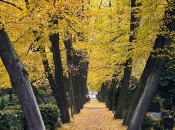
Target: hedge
[(12, 118)]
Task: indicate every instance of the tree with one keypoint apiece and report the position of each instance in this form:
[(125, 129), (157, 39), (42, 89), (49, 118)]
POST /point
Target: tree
[(134, 23), (19, 79), (142, 81), (150, 88), (62, 100), (78, 66)]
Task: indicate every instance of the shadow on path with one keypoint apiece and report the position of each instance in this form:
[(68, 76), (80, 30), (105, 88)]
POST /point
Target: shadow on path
[(94, 116)]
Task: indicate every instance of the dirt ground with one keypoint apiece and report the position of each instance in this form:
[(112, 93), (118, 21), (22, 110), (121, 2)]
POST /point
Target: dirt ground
[(94, 116)]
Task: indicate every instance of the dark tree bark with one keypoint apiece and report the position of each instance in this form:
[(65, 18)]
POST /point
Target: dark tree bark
[(76, 94), (62, 103), (84, 75), (143, 80), (39, 99), (49, 75), (103, 92), (82, 80), (78, 71), (80, 87), (19, 79), (70, 63), (124, 86), (111, 94), (134, 23), (55, 89), (150, 88), (71, 92)]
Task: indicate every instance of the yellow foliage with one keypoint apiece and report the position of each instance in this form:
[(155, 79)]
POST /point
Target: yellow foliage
[(101, 28)]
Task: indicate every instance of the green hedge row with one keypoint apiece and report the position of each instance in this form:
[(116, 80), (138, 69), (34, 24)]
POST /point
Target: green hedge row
[(151, 124), (12, 118)]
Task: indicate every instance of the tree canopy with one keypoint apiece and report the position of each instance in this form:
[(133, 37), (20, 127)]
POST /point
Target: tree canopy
[(101, 28)]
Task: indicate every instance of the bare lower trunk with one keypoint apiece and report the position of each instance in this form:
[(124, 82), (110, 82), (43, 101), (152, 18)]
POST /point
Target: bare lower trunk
[(76, 94), (122, 96), (72, 98), (147, 95), (139, 90)]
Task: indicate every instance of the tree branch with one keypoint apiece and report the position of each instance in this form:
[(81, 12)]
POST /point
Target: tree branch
[(11, 4), (22, 35)]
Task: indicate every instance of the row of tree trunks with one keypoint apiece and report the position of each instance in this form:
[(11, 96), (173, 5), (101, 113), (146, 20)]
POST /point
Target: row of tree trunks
[(81, 81), (103, 92), (19, 79), (158, 67), (72, 75), (78, 75)]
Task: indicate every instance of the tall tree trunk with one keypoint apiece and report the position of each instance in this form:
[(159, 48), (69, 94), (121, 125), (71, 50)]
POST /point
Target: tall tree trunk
[(76, 94), (160, 42), (113, 99), (62, 103), (52, 83), (142, 81), (103, 92), (80, 84), (72, 98), (19, 79), (124, 86), (134, 23), (111, 95), (70, 53), (147, 95), (152, 83), (84, 80)]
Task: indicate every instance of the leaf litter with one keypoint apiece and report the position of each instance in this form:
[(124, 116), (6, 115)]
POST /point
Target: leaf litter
[(94, 116)]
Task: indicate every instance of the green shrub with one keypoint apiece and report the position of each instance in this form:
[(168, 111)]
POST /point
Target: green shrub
[(147, 123), (172, 113), (50, 100), (42, 92), (151, 124), (2, 104), (10, 120), (50, 115), (11, 117), (157, 125)]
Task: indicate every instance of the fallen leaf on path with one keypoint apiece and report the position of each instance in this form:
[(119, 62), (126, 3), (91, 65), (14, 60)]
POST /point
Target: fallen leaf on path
[(94, 116)]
